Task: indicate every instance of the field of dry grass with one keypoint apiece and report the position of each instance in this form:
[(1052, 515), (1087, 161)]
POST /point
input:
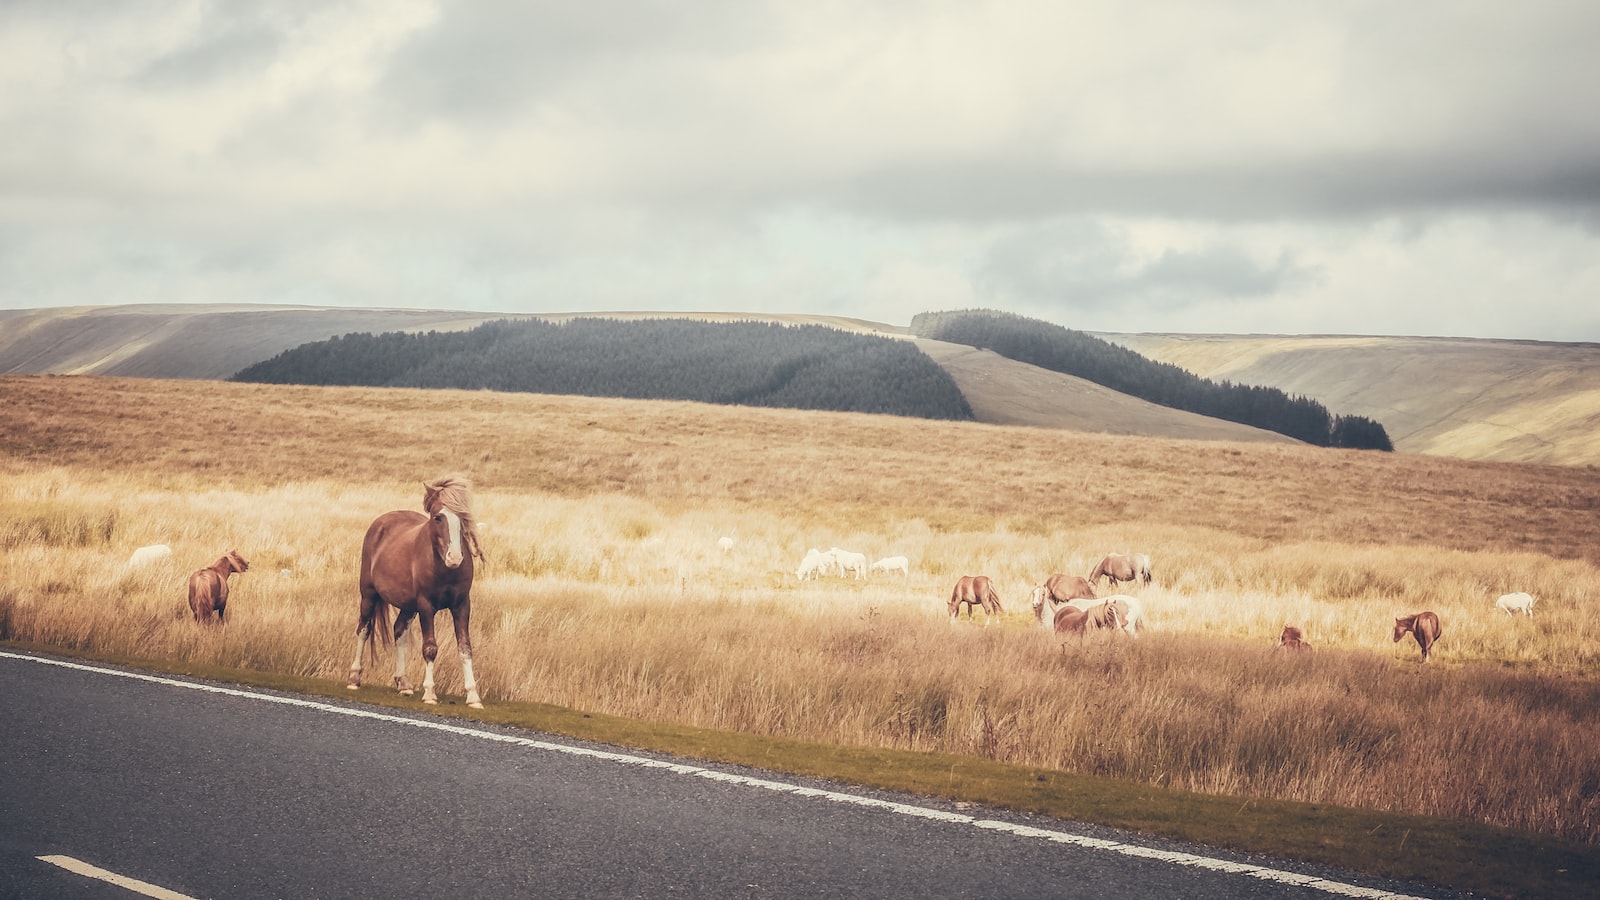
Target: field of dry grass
[(604, 588)]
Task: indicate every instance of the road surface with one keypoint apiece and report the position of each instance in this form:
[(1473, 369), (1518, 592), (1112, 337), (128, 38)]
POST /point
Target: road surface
[(203, 790)]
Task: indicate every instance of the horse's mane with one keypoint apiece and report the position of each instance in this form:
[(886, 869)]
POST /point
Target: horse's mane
[(454, 492)]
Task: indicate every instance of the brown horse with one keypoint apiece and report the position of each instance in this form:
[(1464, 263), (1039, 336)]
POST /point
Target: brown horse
[(1292, 640), (208, 587), (1059, 588), (1118, 568), (1079, 617), (420, 564), (975, 590), (1424, 626)]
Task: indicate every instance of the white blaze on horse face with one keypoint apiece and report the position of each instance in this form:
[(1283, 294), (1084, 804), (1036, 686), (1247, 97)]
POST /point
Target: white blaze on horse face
[(452, 553)]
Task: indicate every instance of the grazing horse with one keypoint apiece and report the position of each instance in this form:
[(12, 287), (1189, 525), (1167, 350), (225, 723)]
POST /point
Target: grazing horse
[(1292, 640), (1424, 626), (1116, 567), (975, 590), (420, 564), (1059, 588), (1141, 567), (208, 588)]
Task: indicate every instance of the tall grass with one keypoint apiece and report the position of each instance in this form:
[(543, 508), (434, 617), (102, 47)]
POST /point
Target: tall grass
[(604, 588)]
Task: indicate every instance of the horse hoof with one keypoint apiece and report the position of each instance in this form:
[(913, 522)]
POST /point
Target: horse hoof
[(352, 687), (406, 692), (429, 701), (475, 705)]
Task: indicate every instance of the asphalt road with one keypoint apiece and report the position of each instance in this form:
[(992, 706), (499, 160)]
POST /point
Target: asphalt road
[(218, 792)]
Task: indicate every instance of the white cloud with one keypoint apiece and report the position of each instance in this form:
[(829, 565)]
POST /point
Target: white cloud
[(1428, 168)]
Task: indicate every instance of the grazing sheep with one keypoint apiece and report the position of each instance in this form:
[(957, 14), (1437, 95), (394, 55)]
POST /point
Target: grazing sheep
[(1518, 602), (144, 556), (893, 564)]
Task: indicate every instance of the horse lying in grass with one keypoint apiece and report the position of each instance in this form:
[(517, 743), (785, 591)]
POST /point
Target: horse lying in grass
[(1293, 641)]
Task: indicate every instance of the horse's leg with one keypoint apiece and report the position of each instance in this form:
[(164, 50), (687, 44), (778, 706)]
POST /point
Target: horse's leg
[(365, 617), (460, 617), (402, 627), (430, 652)]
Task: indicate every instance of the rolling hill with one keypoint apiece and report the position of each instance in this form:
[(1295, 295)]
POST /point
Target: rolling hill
[(1506, 401), (1512, 401)]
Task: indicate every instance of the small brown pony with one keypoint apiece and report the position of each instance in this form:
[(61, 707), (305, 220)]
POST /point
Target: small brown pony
[(1292, 640), (208, 587), (975, 590), (420, 564), (1424, 626)]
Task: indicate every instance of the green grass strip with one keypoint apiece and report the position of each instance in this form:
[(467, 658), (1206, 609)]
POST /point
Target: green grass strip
[(1461, 855)]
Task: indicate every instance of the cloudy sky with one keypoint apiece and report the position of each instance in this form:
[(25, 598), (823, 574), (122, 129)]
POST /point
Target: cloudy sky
[(1238, 166)]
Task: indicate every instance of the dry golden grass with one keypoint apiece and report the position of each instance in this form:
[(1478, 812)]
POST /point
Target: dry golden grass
[(604, 589)]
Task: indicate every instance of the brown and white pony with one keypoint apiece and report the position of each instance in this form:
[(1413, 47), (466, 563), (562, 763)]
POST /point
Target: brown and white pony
[(1120, 611), (1424, 626), (208, 587), (975, 590), (420, 564), (1292, 640)]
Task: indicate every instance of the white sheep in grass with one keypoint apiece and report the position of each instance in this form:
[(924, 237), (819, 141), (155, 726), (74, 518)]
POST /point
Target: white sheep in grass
[(814, 564), (1518, 602), (893, 564), (850, 562), (726, 544), (146, 555)]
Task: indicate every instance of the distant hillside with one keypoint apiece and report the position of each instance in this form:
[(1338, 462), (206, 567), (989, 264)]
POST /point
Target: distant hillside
[(1478, 399), (1510, 401), (1071, 352), (742, 363)]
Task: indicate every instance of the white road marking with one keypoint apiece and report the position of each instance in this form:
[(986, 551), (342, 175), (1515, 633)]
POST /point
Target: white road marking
[(1061, 837), (133, 884)]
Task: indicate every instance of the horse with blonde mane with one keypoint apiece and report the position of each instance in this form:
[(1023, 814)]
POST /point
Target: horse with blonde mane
[(208, 587), (420, 564)]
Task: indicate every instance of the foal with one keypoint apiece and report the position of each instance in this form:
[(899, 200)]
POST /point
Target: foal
[(208, 588)]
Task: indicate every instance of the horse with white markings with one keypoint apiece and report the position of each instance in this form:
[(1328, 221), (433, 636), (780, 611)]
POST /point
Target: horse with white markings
[(420, 564)]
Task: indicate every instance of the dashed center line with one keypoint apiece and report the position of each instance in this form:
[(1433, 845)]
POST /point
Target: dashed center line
[(80, 867)]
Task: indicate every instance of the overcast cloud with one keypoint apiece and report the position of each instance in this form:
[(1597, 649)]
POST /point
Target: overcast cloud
[(1277, 167)]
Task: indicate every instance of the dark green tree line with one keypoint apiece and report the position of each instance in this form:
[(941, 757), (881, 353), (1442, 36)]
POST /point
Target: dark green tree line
[(744, 363), (1059, 349)]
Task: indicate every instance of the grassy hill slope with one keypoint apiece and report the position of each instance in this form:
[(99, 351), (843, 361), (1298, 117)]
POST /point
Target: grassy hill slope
[(1509, 401)]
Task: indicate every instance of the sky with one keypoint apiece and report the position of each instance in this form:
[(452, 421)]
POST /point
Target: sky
[(1287, 167)]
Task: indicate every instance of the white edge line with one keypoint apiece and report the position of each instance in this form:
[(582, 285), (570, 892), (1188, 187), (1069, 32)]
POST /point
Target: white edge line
[(1061, 837), (80, 867)]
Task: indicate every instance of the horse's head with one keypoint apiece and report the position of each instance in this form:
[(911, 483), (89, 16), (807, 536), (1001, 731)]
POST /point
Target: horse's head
[(447, 543), (1290, 633), (239, 563), (1401, 627)]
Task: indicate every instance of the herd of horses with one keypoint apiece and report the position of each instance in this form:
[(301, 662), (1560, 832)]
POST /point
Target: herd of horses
[(421, 563)]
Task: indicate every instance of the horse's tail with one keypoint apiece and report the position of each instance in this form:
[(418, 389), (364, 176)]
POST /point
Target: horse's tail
[(995, 599), (377, 623)]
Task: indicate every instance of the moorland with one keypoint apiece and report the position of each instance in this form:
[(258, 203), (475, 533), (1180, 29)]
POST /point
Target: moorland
[(603, 588)]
